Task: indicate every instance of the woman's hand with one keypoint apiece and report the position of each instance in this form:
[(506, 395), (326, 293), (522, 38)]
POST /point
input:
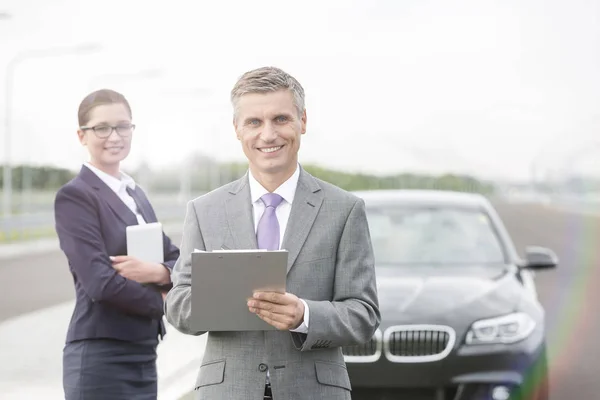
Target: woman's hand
[(140, 271)]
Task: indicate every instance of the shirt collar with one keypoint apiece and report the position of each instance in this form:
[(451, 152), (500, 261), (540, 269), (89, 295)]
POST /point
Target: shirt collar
[(287, 190), (113, 183)]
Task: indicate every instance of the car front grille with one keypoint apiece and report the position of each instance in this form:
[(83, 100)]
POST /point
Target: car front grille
[(367, 352), (418, 343)]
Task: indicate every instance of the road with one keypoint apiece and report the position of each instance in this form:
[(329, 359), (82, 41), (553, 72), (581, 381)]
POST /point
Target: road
[(45, 277), (568, 293)]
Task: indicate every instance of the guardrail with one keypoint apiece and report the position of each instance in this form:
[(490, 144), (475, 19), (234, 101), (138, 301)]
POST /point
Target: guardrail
[(169, 208), (41, 224)]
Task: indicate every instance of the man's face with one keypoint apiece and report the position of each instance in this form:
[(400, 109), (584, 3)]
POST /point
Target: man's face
[(269, 128)]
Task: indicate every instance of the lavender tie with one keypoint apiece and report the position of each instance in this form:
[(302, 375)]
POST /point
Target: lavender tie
[(267, 233)]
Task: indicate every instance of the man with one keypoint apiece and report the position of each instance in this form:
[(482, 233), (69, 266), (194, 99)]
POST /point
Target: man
[(331, 299)]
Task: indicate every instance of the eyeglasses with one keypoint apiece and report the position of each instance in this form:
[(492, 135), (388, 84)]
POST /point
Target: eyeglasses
[(104, 131)]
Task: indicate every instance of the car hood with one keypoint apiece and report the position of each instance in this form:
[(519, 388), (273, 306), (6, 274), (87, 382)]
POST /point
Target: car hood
[(445, 295)]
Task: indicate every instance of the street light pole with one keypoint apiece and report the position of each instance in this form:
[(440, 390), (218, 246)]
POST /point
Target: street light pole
[(568, 170), (200, 95), (7, 169), (5, 16), (10, 71)]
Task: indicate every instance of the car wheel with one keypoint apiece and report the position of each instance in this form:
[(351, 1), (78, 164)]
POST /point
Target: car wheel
[(536, 385)]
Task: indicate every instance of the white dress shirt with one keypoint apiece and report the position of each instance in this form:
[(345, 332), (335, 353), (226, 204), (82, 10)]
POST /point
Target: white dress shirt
[(287, 190), (119, 186)]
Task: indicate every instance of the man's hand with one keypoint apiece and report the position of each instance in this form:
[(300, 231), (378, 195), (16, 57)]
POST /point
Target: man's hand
[(140, 271), (283, 311)]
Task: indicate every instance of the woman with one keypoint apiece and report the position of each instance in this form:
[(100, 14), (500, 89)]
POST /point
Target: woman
[(110, 350)]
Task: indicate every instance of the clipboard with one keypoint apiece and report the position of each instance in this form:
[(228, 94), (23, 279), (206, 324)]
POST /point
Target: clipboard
[(222, 282)]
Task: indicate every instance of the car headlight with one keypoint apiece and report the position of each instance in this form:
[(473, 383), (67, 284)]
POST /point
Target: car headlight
[(506, 329)]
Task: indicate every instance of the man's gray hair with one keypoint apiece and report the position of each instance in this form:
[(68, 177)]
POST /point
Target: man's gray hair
[(264, 80)]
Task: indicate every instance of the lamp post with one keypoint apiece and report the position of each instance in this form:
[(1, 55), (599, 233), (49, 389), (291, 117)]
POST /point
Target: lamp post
[(10, 71), (578, 154), (199, 95)]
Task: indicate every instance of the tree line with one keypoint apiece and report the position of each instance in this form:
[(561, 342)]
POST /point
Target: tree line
[(210, 175)]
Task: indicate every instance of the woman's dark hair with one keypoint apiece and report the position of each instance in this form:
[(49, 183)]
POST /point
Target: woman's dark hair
[(99, 98)]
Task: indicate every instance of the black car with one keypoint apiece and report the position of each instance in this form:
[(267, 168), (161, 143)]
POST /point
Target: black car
[(460, 314)]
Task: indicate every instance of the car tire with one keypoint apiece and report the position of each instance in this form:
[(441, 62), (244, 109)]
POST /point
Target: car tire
[(544, 387), (537, 384)]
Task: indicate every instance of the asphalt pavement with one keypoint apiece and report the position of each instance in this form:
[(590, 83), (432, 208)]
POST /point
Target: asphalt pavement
[(568, 293), (41, 279)]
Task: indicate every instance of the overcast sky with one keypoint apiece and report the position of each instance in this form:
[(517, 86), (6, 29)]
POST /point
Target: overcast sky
[(482, 87)]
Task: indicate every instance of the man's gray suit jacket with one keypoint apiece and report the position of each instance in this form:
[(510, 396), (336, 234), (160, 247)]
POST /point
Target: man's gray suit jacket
[(330, 266)]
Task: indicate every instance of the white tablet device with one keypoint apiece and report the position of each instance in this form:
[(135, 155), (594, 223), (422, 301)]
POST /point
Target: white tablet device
[(145, 242)]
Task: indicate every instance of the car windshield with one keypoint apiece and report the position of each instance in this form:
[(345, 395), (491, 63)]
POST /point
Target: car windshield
[(433, 236)]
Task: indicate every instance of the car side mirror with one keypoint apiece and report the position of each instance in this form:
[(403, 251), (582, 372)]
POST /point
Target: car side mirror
[(537, 257)]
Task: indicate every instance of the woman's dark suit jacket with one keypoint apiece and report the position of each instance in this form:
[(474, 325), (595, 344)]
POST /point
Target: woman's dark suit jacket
[(90, 222)]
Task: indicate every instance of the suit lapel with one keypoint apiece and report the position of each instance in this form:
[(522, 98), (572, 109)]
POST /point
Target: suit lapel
[(240, 216), (116, 204), (143, 204), (307, 202)]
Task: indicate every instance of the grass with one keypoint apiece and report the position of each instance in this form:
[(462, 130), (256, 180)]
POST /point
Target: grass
[(36, 201), (42, 202), (24, 235), (14, 236)]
